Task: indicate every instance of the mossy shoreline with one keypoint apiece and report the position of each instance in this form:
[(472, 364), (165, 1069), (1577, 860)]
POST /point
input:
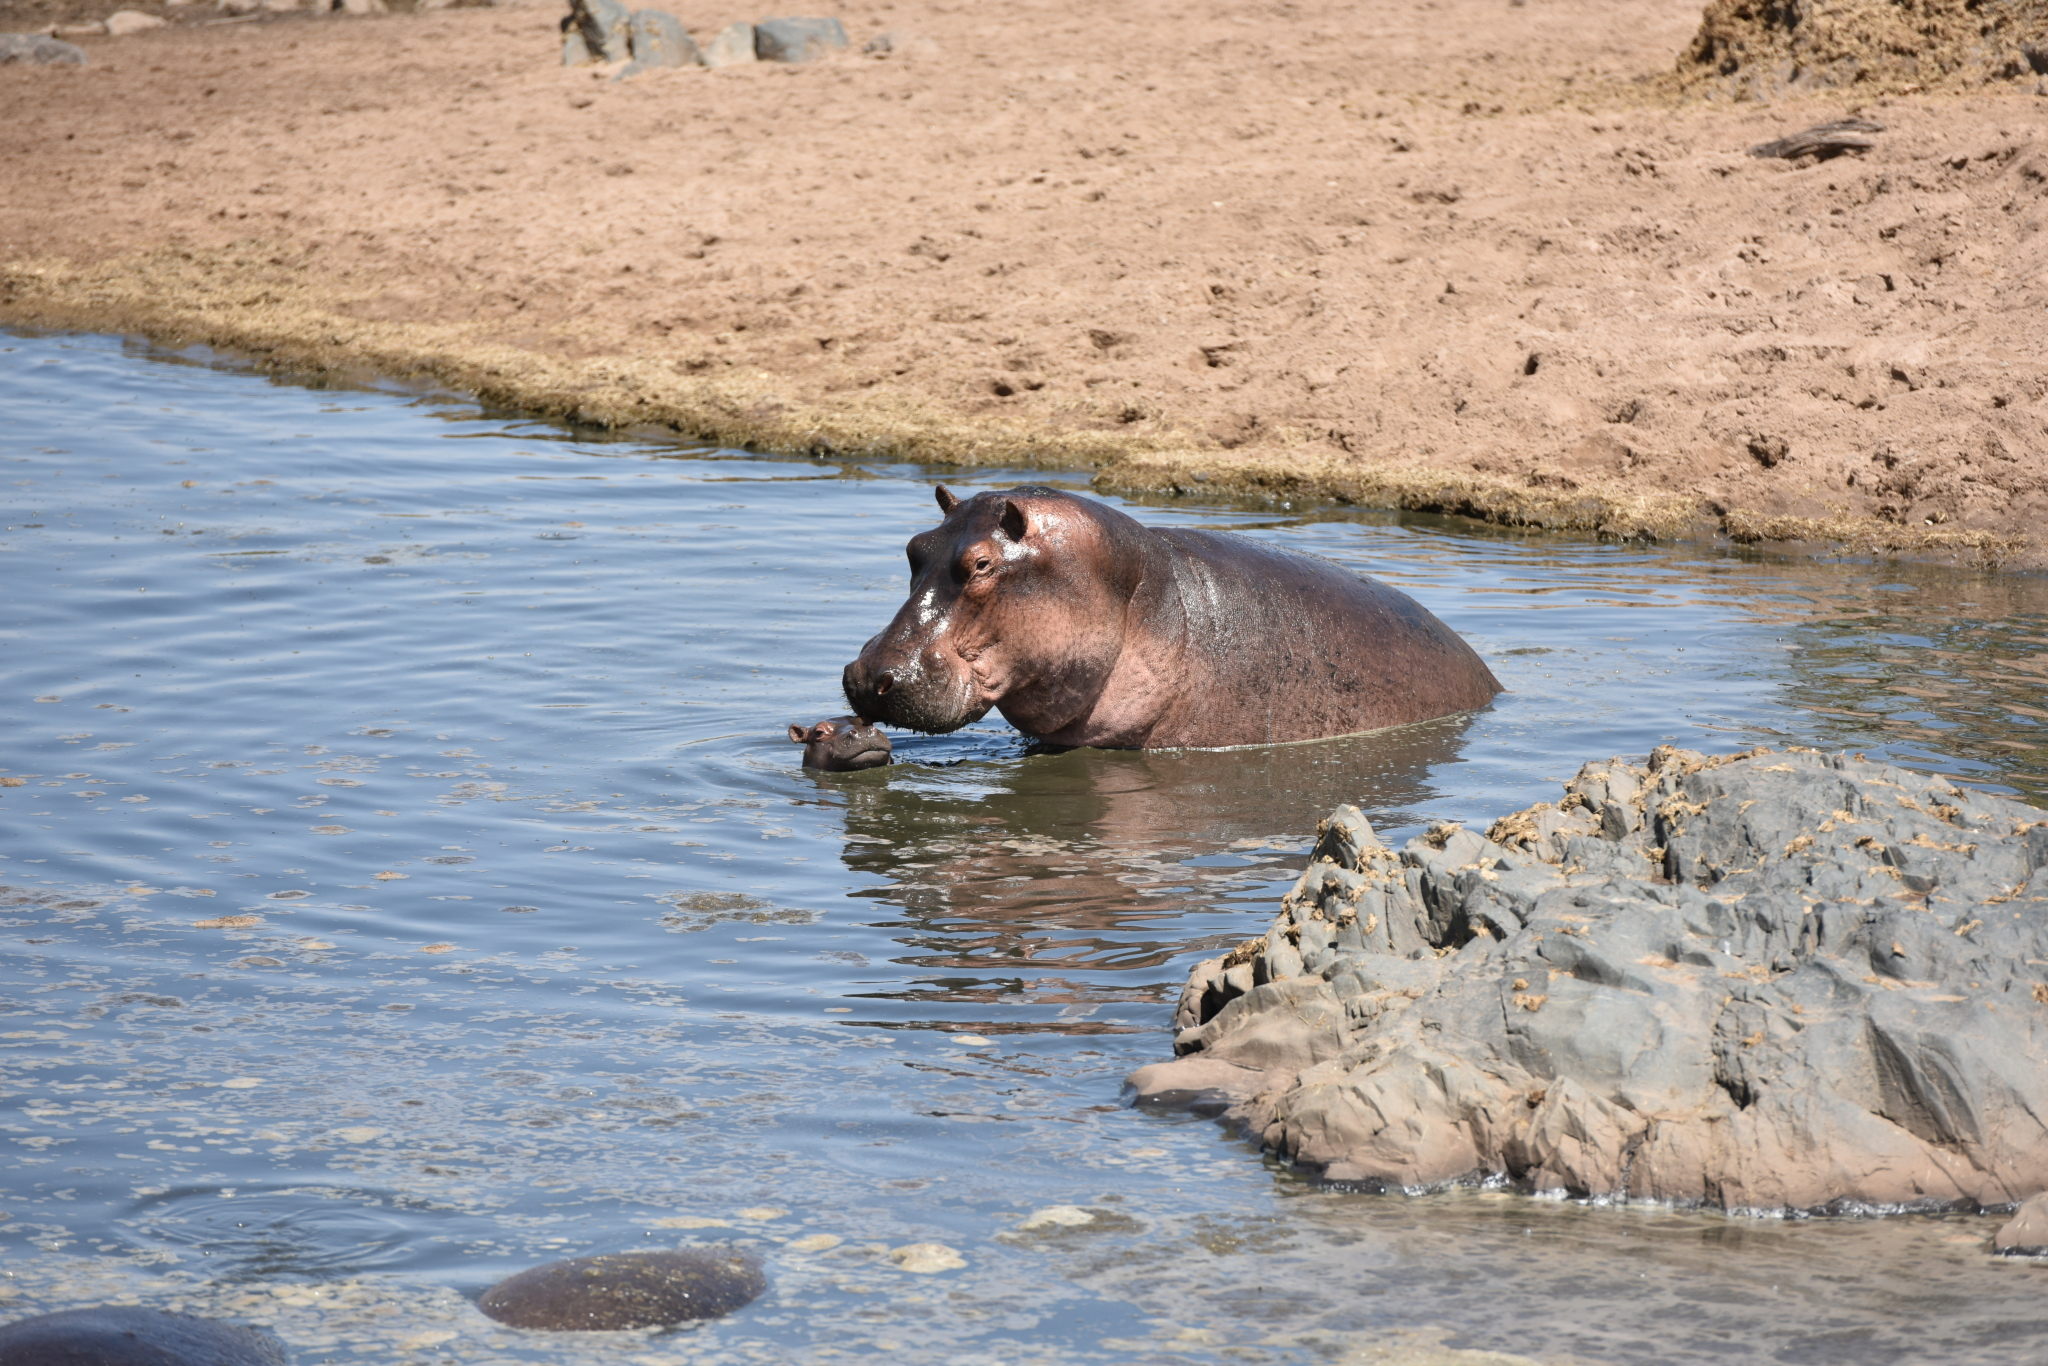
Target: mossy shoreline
[(250, 301)]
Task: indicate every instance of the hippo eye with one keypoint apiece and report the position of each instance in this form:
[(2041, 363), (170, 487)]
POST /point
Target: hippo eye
[(981, 564)]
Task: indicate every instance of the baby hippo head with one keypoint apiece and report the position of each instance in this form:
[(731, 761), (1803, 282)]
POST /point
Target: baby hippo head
[(844, 742)]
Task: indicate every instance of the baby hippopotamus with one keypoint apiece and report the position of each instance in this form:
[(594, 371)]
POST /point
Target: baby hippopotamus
[(843, 742)]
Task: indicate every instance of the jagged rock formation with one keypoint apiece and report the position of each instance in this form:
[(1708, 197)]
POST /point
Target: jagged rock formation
[(1772, 981)]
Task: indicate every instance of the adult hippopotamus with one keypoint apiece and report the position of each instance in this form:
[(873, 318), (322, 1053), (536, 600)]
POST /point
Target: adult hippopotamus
[(843, 742), (1085, 628)]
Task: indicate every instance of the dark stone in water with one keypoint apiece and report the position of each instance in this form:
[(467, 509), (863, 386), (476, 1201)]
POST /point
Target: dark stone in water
[(627, 1290), (115, 1336)]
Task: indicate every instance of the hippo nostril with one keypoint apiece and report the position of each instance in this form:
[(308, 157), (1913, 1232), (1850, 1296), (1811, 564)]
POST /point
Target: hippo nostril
[(884, 683)]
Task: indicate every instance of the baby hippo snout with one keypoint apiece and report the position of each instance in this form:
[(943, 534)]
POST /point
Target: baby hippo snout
[(843, 742)]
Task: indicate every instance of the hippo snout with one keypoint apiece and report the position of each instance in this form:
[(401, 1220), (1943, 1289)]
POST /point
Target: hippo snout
[(913, 691)]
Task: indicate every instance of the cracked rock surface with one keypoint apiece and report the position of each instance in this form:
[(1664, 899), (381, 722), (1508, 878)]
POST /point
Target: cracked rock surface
[(1773, 981)]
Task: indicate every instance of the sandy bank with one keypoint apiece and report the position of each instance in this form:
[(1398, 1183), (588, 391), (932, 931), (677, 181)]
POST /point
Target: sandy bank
[(1472, 256)]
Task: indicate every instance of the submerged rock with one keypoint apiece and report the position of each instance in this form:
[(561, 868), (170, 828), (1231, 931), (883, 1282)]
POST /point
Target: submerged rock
[(127, 1336), (926, 1259), (1771, 981), (627, 1290)]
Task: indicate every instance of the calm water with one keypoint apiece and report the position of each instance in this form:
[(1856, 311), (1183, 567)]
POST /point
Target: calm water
[(408, 879)]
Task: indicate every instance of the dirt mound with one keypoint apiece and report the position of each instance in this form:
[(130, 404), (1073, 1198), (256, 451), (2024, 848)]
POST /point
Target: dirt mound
[(1760, 49)]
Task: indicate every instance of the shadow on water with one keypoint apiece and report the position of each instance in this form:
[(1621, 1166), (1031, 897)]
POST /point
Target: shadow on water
[(1090, 860)]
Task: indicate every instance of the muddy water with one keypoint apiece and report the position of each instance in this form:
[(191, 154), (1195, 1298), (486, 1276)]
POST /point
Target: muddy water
[(408, 880)]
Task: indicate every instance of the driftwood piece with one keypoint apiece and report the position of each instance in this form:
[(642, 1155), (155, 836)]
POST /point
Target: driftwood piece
[(1823, 140)]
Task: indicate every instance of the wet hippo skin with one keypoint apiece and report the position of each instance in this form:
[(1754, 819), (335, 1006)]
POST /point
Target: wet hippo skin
[(128, 1336), (841, 743), (1084, 627)]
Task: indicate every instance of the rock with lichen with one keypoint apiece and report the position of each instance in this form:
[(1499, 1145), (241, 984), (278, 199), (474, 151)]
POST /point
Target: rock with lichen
[(1774, 981)]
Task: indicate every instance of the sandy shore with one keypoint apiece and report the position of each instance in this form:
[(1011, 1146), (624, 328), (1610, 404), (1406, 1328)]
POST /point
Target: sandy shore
[(1467, 255)]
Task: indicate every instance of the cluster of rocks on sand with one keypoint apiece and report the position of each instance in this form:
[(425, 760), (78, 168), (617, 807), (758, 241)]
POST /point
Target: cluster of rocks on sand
[(1771, 982), (604, 31)]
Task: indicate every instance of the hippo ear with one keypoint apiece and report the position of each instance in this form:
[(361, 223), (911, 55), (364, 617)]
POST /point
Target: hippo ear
[(798, 734), (1013, 523), (948, 500)]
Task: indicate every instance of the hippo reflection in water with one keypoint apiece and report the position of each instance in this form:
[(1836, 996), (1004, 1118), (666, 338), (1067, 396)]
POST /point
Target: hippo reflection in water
[(1084, 627)]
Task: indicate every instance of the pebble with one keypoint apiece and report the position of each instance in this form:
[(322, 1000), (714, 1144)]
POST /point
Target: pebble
[(893, 44), (627, 1290)]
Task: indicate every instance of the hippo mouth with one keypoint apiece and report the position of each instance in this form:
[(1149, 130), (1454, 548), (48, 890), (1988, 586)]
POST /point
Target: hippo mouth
[(913, 698)]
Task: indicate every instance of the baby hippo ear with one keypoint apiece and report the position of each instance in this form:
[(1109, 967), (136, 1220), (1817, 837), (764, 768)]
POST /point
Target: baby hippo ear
[(800, 735), (948, 500), (1013, 523)]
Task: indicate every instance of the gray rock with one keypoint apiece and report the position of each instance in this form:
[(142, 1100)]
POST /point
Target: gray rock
[(797, 40), (36, 49), (128, 1336), (1772, 982), (575, 52), (606, 26), (658, 40), (2026, 1233), (733, 45)]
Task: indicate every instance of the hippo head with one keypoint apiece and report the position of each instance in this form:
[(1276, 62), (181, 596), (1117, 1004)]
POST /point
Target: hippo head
[(1018, 600), (844, 742)]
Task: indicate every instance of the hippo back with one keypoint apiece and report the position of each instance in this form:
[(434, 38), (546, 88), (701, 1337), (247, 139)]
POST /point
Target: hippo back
[(1291, 645)]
